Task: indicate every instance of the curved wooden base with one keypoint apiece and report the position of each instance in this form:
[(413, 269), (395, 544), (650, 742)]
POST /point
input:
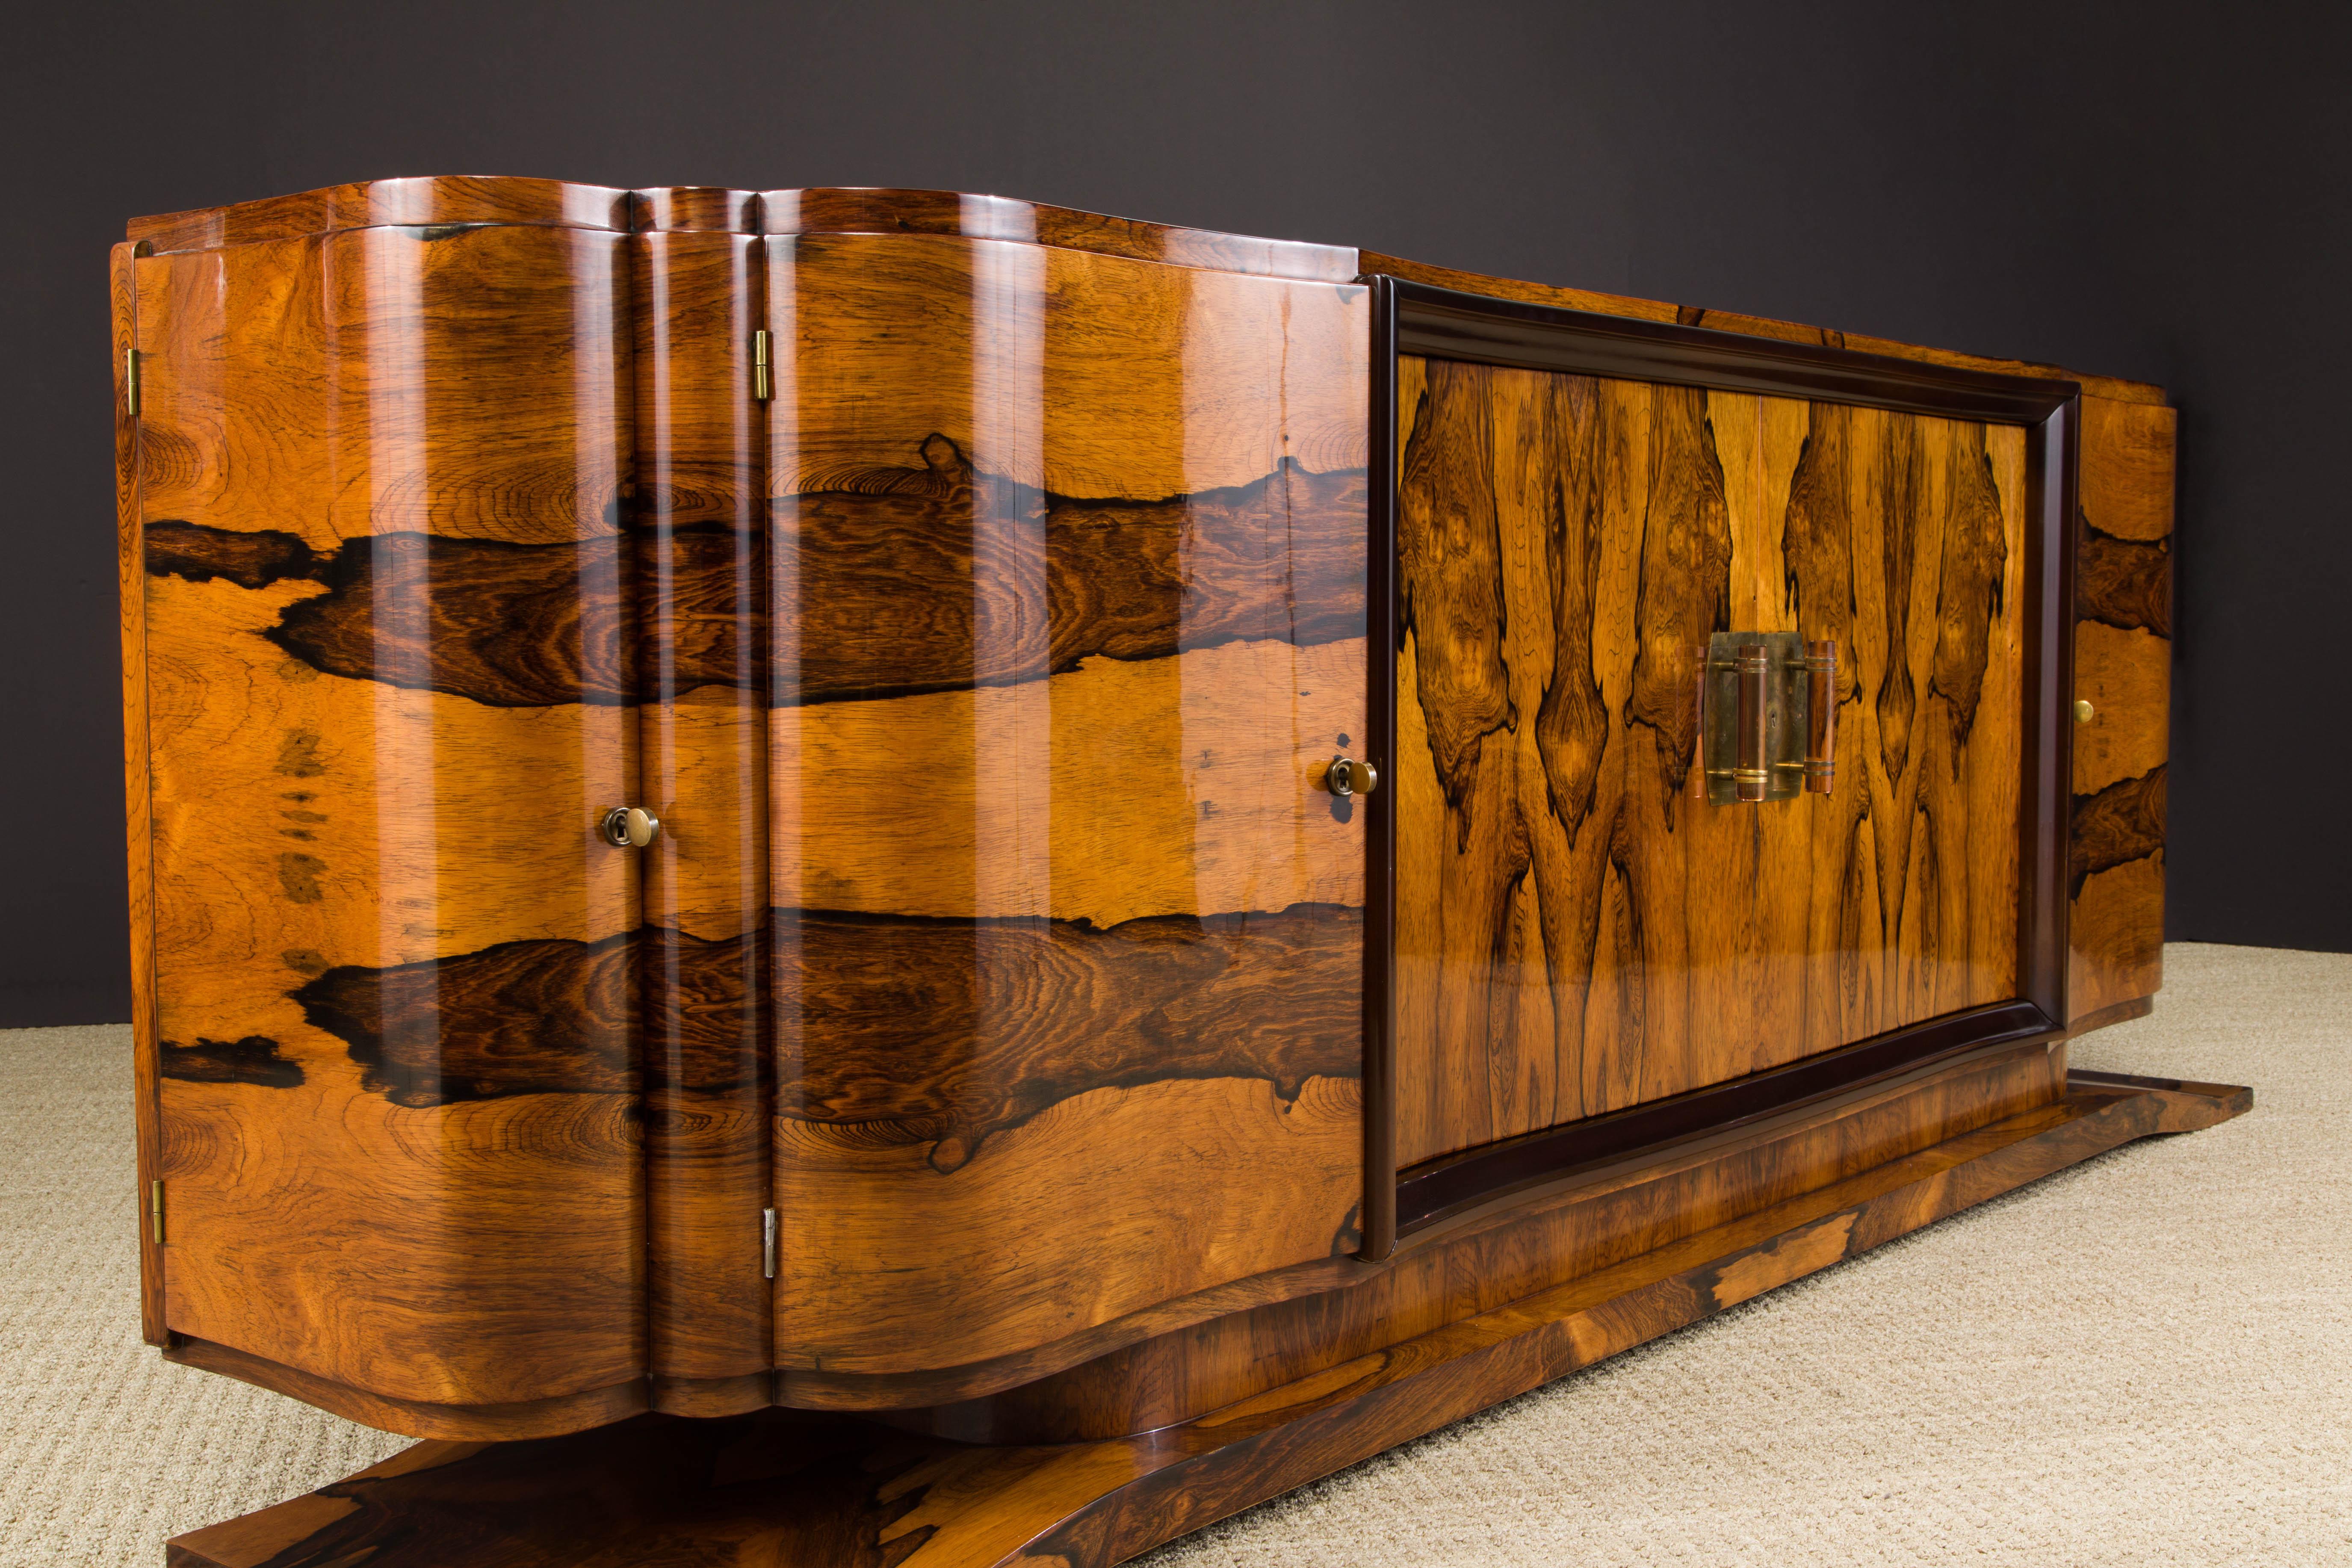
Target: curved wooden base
[(790, 1487)]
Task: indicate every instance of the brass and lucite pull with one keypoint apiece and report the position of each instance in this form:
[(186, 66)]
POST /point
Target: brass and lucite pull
[(630, 827), (1768, 717), (1752, 774), (1821, 728), (1348, 777)]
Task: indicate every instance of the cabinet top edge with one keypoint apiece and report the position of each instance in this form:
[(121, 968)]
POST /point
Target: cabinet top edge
[(817, 210)]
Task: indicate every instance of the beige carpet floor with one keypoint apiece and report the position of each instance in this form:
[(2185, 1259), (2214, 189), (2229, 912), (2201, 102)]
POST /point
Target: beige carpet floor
[(2146, 1359)]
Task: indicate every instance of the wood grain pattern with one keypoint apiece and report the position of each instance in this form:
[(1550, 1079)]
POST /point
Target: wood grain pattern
[(1056, 872), (1055, 369), (1734, 322), (824, 1490), (474, 1251), (703, 1035), (1578, 929), (472, 1422), (964, 556), (1583, 1220), (669, 209), (1185, 785), (883, 211), (984, 680), (432, 201), (2123, 668), (137, 786), (534, 624)]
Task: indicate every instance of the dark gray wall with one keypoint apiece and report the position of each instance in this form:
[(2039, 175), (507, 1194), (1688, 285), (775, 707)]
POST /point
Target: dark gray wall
[(2154, 192)]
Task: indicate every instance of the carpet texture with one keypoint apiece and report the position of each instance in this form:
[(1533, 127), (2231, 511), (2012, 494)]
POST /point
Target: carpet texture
[(2146, 1359)]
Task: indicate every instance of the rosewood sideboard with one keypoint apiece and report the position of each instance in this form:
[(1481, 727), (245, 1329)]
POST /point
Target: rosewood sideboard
[(879, 876)]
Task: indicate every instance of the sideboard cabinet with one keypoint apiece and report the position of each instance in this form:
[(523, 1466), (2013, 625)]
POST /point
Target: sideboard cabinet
[(782, 841)]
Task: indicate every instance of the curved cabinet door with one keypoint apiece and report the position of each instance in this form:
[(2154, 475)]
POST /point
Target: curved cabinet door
[(383, 477), (1068, 562)]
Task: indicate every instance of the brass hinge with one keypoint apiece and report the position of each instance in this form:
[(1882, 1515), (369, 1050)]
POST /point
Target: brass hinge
[(764, 386), (767, 1242), (155, 1209), (131, 381)]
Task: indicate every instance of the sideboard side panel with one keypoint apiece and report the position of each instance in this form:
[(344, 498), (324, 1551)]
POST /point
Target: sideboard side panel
[(2123, 668), (131, 581), (385, 481), (1067, 559), (701, 538)]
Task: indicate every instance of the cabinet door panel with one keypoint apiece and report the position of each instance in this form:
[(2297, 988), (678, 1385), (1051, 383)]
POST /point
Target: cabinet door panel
[(1068, 558), (383, 476), (1578, 929), (701, 504)]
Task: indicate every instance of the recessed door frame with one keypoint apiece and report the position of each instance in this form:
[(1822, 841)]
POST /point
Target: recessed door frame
[(1443, 323)]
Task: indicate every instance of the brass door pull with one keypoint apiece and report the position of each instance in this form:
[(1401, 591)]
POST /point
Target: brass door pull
[(1821, 716), (1768, 716), (1751, 773), (2084, 712), (1348, 777), (630, 827)]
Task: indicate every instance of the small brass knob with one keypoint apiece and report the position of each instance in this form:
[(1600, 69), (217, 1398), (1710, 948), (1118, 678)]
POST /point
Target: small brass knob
[(1348, 777), (630, 827), (2084, 712)]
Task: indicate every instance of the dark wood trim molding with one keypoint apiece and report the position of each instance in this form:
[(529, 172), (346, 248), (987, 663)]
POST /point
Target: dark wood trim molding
[(1380, 1219), (1442, 1189), (1443, 323), (2048, 760)]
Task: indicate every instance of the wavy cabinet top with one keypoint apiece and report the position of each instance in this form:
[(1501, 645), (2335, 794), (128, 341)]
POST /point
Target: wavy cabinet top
[(978, 595)]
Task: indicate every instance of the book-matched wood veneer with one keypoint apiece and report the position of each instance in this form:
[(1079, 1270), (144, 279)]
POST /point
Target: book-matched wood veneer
[(1003, 936)]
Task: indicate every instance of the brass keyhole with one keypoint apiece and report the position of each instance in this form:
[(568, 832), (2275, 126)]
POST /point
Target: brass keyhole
[(1346, 777), (630, 827)]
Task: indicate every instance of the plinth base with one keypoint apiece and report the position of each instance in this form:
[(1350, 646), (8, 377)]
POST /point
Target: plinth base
[(784, 1486)]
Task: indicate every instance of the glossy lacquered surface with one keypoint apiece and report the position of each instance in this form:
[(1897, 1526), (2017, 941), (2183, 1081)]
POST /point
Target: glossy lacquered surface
[(2123, 668), (824, 1490), (1579, 929), (983, 678), (1003, 936), (1068, 582), (382, 482)]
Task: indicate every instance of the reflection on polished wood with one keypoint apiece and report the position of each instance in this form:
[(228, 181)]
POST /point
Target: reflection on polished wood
[(989, 1057), (1045, 706), (305, 820), (2123, 666), (790, 1486), (1579, 929)]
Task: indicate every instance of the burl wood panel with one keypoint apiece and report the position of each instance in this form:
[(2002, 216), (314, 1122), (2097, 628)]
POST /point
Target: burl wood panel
[(1578, 929), (827, 1489), (2123, 667), (377, 397), (1066, 561), (702, 600)]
